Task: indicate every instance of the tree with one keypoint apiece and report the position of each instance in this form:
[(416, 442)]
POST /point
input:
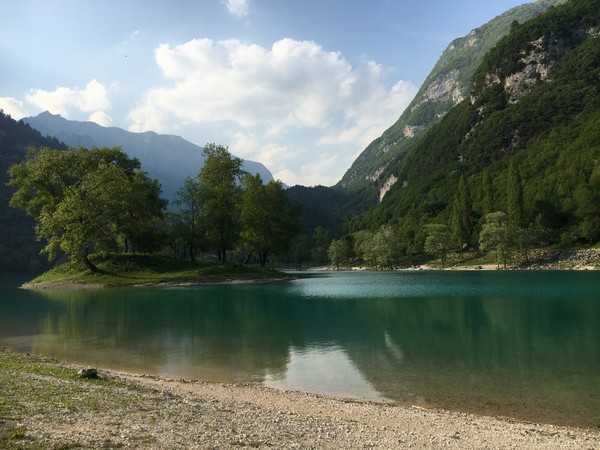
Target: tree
[(517, 231), (143, 230), (382, 250), (84, 201), (461, 218), (494, 235), (321, 240), (437, 242), (300, 250), (487, 193), (514, 199), (188, 201), (340, 252), (361, 241), (220, 193), (268, 221)]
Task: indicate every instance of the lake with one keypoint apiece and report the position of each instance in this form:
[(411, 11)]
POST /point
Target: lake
[(525, 345)]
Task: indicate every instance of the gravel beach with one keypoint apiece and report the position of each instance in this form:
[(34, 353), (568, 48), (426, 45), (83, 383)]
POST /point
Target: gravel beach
[(46, 404)]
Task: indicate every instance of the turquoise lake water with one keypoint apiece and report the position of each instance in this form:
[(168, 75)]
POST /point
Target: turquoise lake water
[(525, 345)]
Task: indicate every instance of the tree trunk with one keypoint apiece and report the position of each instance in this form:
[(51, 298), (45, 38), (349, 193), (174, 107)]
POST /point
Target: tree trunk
[(90, 265)]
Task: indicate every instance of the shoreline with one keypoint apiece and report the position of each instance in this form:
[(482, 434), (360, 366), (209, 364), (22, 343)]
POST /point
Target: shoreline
[(481, 268), (136, 410), (583, 259), (73, 285)]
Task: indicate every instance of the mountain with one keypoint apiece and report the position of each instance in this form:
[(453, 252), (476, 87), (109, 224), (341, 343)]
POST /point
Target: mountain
[(19, 250), (535, 106), (169, 159), (448, 84)]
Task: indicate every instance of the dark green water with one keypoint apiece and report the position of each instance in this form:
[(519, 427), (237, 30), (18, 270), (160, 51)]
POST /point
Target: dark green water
[(520, 344)]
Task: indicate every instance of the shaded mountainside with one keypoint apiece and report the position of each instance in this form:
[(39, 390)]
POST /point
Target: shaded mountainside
[(19, 250), (447, 85), (169, 159), (535, 104), (324, 206)]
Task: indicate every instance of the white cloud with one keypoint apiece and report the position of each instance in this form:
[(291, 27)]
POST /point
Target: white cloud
[(66, 100), (238, 8), (101, 118), (303, 111), (13, 107)]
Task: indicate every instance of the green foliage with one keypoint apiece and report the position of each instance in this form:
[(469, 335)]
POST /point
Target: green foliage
[(321, 240), (268, 221), (438, 241), (382, 248), (340, 252), (188, 226), (549, 135), (487, 193), (86, 201), (221, 194), (495, 236), (461, 218), (514, 199)]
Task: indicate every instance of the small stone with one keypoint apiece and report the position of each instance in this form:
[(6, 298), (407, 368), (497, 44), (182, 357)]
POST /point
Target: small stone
[(88, 373)]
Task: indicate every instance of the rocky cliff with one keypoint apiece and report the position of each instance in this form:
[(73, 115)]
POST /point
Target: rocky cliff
[(448, 84)]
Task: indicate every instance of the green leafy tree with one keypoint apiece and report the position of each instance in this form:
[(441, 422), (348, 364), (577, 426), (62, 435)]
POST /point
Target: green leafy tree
[(300, 250), (494, 236), (587, 203), (487, 193), (84, 201), (340, 252), (321, 240), (382, 249), (361, 241), (514, 199), (190, 225), (461, 218), (268, 220), (438, 241), (517, 230), (221, 195)]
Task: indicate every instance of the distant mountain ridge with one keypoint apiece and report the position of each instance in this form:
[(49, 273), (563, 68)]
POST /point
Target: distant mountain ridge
[(168, 158), (447, 85)]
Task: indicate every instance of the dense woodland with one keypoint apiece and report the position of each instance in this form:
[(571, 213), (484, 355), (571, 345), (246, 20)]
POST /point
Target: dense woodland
[(90, 202)]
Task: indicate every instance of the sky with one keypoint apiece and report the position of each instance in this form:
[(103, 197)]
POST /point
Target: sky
[(301, 86)]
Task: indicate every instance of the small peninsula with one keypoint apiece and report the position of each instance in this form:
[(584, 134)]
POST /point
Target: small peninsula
[(142, 270)]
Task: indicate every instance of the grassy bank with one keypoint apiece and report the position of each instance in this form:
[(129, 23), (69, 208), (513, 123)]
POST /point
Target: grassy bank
[(33, 387), (148, 270)]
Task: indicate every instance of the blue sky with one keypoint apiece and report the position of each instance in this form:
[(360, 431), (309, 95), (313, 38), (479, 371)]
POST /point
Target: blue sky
[(301, 86)]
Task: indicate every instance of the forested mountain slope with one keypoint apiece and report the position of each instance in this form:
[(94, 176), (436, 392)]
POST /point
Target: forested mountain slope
[(446, 86), (535, 105), (19, 250), (169, 159)]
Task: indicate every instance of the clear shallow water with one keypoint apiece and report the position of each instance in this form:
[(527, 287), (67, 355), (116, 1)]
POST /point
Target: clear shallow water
[(519, 344)]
